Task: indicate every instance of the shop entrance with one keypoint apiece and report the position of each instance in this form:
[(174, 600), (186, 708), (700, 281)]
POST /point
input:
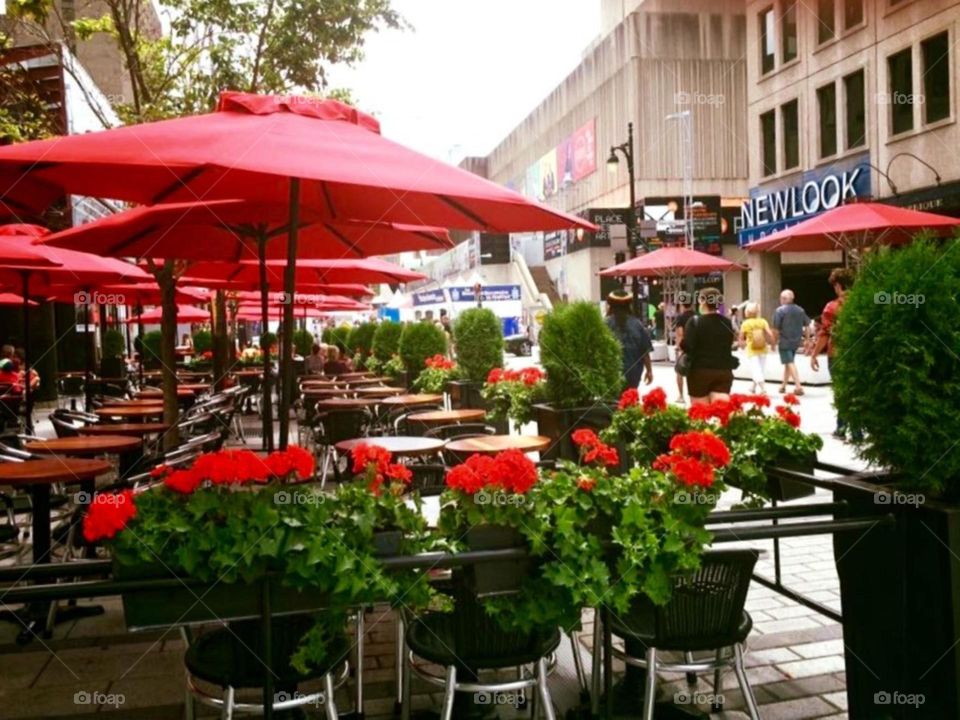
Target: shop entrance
[(809, 284)]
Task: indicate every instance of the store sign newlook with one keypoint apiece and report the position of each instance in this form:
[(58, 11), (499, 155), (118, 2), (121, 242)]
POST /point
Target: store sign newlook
[(769, 211)]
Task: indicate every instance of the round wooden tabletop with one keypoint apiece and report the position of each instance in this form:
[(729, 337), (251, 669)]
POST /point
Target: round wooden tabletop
[(491, 444), (380, 391), (127, 412), (353, 375), (448, 417), (363, 382), (131, 429), (54, 470), (324, 392), (345, 403), (85, 445), (318, 382), (195, 387), (251, 372), (157, 393), (417, 399), (400, 445), (142, 402)]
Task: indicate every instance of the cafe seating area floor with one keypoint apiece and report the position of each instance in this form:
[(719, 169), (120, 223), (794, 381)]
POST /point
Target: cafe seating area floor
[(795, 659)]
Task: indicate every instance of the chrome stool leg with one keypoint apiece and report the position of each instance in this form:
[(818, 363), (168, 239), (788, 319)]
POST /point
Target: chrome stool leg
[(227, 713), (748, 698), (359, 674), (450, 693), (718, 682), (328, 702), (596, 679), (650, 694), (545, 700)]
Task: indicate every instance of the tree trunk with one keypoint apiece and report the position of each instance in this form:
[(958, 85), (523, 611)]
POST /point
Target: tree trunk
[(168, 353)]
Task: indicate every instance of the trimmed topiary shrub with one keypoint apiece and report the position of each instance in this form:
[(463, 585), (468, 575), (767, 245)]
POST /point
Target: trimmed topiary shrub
[(268, 340), (386, 340), (202, 341), (582, 357), (303, 342), (339, 336), (152, 343), (418, 342), (895, 366), (113, 344), (478, 339), (361, 338)]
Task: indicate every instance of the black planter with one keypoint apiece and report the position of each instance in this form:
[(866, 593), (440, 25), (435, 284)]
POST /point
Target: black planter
[(784, 489), (900, 593), (114, 368), (465, 394), (502, 576), (178, 605), (558, 423), (387, 543)]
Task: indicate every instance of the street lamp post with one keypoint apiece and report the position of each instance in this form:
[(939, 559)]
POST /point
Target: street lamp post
[(613, 162)]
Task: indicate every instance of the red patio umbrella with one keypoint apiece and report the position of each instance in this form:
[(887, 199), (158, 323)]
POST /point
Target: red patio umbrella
[(309, 273), (854, 227), (291, 151), (671, 261), (185, 314), (13, 300)]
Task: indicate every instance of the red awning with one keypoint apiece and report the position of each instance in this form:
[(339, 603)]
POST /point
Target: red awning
[(671, 261)]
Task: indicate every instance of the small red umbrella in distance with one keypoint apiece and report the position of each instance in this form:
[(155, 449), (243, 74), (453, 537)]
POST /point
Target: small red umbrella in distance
[(854, 227), (670, 261), (310, 272), (185, 314), (294, 151)]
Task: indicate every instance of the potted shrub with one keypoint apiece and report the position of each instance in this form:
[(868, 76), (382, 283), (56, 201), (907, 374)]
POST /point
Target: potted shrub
[(302, 342), (584, 367), (386, 342), (360, 339), (152, 343), (512, 394), (420, 341), (896, 378), (478, 342), (112, 364), (202, 342)]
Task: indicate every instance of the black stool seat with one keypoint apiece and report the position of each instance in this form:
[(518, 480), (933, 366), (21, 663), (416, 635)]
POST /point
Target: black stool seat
[(229, 656), (8, 533), (644, 623), (440, 638)]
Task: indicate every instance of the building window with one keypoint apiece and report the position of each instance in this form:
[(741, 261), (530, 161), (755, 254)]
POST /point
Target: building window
[(854, 90), (826, 21), (790, 33), (768, 134), (767, 40), (900, 66), (935, 52), (827, 105), (790, 117), (852, 13)]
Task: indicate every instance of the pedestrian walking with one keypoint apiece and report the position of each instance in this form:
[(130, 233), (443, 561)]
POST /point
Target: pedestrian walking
[(633, 337), (757, 338), (841, 280), (707, 340), (790, 324), (679, 327)]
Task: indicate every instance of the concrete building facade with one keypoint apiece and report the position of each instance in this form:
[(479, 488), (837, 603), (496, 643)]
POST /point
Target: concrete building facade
[(857, 97), (654, 58)]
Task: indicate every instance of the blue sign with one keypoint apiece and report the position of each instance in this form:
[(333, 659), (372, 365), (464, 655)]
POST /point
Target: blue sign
[(488, 293), (429, 297), (771, 209)]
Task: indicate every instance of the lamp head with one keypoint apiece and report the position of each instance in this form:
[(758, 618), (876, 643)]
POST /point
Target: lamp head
[(613, 161)]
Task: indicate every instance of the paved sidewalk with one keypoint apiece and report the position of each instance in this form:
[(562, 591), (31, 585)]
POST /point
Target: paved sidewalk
[(795, 659)]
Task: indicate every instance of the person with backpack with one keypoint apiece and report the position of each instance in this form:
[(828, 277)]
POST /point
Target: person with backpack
[(706, 343), (756, 337)]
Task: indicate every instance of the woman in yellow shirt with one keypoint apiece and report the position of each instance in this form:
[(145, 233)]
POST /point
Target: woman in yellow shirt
[(757, 338)]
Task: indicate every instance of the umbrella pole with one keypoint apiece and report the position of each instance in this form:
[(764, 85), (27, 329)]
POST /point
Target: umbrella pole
[(88, 359), (289, 278), (266, 410), (140, 335), (28, 424)]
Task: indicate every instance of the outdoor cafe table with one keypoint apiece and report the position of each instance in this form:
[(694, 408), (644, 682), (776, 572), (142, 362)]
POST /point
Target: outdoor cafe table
[(88, 446), (130, 413), (345, 403), (492, 444), (324, 392), (447, 417), (308, 381), (399, 445), (250, 372), (195, 387), (364, 381), (130, 429), (157, 393), (141, 402), (411, 400), (378, 392), (353, 375)]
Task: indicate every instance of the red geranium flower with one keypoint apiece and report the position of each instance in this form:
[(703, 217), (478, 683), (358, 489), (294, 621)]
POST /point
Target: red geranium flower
[(788, 416), (703, 445), (495, 376), (791, 399), (159, 471), (293, 460), (183, 481), (586, 483), (628, 399), (465, 478), (531, 375), (107, 515), (513, 471), (364, 455), (584, 437), (719, 409), (655, 400)]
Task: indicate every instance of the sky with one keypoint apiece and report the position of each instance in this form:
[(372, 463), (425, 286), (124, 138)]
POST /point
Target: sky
[(469, 71)]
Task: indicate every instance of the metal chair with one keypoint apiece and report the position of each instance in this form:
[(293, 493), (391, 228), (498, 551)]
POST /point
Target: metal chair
[(704, 615), (332, 427)]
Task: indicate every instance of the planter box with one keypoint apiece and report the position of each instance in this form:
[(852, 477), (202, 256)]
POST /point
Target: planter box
[(465, 394), (500, 577), (900, 592), (168, 607), (784, 489), (559, 423)]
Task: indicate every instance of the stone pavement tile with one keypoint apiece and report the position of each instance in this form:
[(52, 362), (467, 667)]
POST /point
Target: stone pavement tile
[(799, 709), (62, 700), (795, 637), (110, 663), (788, 625), (756, 676), (803, 687), (20, 670), (819, 649), (764, 604), (839, 699), (793, 611), (145, 692), (769, 657), (815, 666)]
